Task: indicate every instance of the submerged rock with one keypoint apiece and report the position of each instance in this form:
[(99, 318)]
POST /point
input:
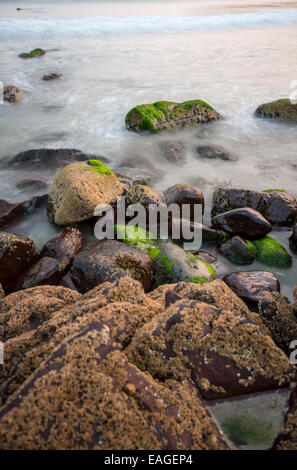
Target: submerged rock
[(173, 151), (282, 110), (164, 115), (32, 185), (181, 194), (272, 253), (243, 221), (215, 152), (238, 251), (9, 212), (251, 286), (12, 93), (277, 206), (79, 188), (293, 239), (35, 53), (51, 76)]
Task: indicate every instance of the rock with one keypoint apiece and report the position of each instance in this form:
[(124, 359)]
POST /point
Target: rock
[(282, 110), (32, 185), (215, 152), (278, 315), (66, 281), (12, 93), (225, 353), (64, 247), (2, 293), (51, 76), (205, 256), (16, 255), (208, 234), (11, 212), (293, 239), (144, 195), (40, 159), (251, 286), (184, 194), (78, 189), (272, 253), (164, 115), (173, 151), (238, 251), (107, 260), (113, 404), (287, 439), (243, 221), (173, 264), (135, 236), (46, 271), (277, 206), (35, 53)]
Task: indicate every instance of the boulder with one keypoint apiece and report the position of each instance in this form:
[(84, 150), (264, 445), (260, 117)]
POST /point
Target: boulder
[(272, 253), (238, 251), (251, 286), (107, 260), (79, 188), (34, 53), (16, 255), (208, 234), (12, 94), (9, 212), (135, 236), (225, 353), (293, 239), (46, 271), (51, 76), (215, 152), (64, 247), (277, 206), (172, 264), (184, 194), (282, 110), (174, 152), (164, 115), (144, 195), (243, 221)]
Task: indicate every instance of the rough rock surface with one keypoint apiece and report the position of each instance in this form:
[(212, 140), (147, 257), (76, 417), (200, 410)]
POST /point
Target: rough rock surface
[(46, 271), (144, 195), (213, 152), (164, 115), (12, 93), (65, 246), (251, 286), (242, 221), (106, 260), (282, 110), (184, 194), (238, 251), (277, 206), (78, 189)]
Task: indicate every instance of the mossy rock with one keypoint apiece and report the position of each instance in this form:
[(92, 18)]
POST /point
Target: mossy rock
[(239, 251), (135, 236), (164, 115), (272, 253), (35, 53), (282, 110)]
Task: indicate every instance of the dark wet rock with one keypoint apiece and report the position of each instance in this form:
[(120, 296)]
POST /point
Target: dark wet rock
[(34, 53), (9, 212), (184, 194), (238, 251), (46, 271), (278, 315), (251, 286), (171, 297), (172, 264), (215, 152), (64, 247), (107, 260), (174, 152), (226, 353), (40, 159), (205, 256), (272, 253), (144, 195), (243, 221), (16, 255), (51, 76), (66, 281), (293, 239), (12, 94), (164, 115), (282, 110), (277, 206), (32, 185), (208, 234)]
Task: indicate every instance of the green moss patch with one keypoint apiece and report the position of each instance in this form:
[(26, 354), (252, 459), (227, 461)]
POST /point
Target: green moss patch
[(244, 429), (36, 52), (272, 253), (273, 190), (135, 236), (99, 167), (198, 280)]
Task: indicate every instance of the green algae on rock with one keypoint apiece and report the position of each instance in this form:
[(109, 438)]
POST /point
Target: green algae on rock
[(135, 236), (164, 115), (282, 110), (272, 253), (35, 53), (239, 251), (99, 167)]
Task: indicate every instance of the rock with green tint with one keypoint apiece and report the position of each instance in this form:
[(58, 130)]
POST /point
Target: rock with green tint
[(173, 264), (35, 53), (239, 251), (293, 239), (282, 110), (272, 253), (135, 236), (164, 115)]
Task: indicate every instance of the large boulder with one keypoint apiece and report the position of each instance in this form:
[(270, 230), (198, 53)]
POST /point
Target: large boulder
[(164, 115), (79, 188), (64, 247), (16, 255), (277, 206), (243, 221), (251, 286), (12, 94), (272, 253), (282, 110), (184, 194), (107, 260)]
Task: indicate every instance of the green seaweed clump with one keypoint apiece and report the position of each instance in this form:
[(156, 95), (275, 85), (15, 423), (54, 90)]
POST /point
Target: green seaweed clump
[(99, 167), (244, 429), (166, 264), (135, 236), (273, 190), (198, 280), (272, 253), (36, 52)]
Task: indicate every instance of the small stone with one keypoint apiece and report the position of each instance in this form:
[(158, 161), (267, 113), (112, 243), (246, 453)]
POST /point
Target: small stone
[(12, 93)]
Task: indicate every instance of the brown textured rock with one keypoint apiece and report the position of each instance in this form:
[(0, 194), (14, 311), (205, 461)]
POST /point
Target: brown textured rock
[(173, 151), (140, 194), (16, 254), (252, 285), (215, 152), (46, 271), (185, 194), (232, 351), (282, 110), (243, 221), (65, 246), (12, 93), (106, 402), (2, 293), (106, 260)]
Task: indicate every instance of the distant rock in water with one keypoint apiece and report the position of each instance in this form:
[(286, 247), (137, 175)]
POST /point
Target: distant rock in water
[(283, 110), (12, 93), (215, 152), (164, 115), (35, 53), (51, 76), (32, 185)]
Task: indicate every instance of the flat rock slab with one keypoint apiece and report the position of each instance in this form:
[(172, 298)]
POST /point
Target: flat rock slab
[(251, 286)]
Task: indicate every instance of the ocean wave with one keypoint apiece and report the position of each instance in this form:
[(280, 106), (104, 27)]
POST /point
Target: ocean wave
[(90, 26)]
